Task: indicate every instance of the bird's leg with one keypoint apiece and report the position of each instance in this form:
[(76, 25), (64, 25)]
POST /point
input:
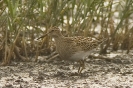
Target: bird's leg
[(81, 67)]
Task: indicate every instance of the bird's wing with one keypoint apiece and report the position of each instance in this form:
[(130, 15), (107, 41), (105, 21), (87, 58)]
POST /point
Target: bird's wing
[(87, 43)]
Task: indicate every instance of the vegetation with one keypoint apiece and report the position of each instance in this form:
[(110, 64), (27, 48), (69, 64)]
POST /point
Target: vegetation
[(22, 21)]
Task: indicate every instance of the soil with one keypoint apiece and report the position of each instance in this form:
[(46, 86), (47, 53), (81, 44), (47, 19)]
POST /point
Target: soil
[(117, 73)]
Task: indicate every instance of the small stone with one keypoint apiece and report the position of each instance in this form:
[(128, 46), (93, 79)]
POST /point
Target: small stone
[(9, 85)]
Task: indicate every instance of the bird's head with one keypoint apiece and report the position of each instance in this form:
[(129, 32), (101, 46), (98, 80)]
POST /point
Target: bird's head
[(53, 32)]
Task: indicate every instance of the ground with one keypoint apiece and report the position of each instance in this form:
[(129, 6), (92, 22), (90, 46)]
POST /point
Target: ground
[(99, 73)]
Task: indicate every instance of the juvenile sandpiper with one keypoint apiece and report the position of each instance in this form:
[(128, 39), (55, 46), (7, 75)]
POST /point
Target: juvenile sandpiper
[(76, 48)]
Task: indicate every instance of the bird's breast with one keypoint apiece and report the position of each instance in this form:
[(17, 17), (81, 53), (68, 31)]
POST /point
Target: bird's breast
[(65, 50)]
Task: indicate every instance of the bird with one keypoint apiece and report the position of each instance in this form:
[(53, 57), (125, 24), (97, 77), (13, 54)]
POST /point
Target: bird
[(76, 48)]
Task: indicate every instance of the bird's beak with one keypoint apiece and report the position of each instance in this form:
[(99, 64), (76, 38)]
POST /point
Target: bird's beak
[(43, 36)]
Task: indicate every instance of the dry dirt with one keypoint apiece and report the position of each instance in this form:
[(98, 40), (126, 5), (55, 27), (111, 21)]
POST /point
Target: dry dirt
[(117, 73)]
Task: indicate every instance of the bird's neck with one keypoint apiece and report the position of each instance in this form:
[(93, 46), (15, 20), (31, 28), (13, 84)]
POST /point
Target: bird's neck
[(58, 38)]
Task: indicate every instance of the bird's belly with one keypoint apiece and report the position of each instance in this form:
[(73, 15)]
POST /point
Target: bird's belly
[(71, 54), (80, 55)]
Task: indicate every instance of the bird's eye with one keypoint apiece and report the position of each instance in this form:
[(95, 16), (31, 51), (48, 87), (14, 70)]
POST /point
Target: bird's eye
[(52, 31)]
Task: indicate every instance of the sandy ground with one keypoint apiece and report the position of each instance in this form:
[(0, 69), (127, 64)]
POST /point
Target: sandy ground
[(98, 73)]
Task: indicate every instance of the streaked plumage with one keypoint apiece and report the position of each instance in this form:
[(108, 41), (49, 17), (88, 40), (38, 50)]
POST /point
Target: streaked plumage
[(74, 48)]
